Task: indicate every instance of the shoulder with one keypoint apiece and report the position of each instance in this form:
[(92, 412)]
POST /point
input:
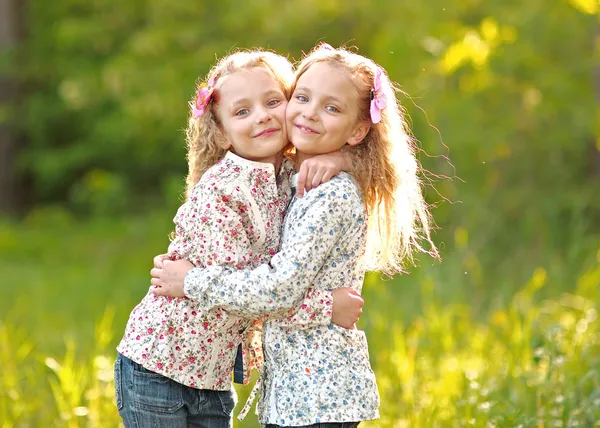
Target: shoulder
[(341, 191), (342, 187), (220, 183), (222, 172)]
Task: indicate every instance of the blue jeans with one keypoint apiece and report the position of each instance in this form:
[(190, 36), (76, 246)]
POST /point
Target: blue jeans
[(148, 400), (324, 425)]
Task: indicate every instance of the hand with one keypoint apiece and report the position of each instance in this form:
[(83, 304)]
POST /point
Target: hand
[(320, 169), (158, 260), (347, 307), (168, 280)]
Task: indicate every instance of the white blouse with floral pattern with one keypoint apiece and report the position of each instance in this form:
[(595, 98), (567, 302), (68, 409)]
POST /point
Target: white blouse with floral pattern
[(312, 374), (233, 218)]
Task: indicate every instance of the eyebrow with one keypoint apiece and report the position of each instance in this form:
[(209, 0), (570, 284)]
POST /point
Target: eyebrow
[(301, 88), (274, 92), (269, 93)]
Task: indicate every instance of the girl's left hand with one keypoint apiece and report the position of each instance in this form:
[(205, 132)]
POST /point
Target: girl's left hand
[(168, 281), (347, 307), (320, 169)]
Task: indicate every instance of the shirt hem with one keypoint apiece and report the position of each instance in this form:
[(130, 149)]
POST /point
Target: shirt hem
[(208, 387)]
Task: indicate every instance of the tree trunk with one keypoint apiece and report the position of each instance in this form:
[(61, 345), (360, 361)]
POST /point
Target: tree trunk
[(594, 146), (11, 33)]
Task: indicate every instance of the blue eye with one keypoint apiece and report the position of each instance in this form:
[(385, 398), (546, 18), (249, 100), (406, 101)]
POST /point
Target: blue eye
[(242, 112), (302, 98), (273, 103), (332, 109)]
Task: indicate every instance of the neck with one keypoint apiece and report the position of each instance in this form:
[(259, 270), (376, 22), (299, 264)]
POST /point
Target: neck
[(277, 162)]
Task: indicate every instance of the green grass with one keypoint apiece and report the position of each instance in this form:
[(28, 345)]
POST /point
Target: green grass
[(461, 343)]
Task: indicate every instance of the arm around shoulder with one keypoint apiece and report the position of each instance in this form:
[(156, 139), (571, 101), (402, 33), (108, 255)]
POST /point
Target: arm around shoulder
[(327, 214)]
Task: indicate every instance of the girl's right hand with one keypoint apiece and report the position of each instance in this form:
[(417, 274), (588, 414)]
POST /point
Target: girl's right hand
[(321, 168), (158, 260), (347, 307)]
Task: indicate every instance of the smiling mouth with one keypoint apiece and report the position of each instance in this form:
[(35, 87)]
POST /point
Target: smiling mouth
[(306, 129), (267, 133)]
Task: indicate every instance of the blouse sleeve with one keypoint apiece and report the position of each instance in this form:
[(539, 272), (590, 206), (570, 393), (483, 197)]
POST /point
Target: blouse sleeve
[(218, 228), (281, 284), (314, 311), (218, 231)]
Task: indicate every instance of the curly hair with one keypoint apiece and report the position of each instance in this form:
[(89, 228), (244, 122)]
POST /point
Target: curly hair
[(385, 168), (203, 134)]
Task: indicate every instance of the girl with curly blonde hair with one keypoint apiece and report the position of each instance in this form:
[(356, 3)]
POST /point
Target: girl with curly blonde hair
[(374, 218), (176, 359)]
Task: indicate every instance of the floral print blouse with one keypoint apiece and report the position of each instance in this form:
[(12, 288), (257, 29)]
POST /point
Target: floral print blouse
[(312, 373), (233, 218)]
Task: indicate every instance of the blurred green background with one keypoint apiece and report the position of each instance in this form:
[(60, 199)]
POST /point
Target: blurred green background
[(503, 96)]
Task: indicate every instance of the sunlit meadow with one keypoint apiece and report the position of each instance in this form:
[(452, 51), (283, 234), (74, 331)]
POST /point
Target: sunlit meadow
[(528, 358)]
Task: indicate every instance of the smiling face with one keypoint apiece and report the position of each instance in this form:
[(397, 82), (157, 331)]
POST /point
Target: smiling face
[(251, 110), (323, 114)]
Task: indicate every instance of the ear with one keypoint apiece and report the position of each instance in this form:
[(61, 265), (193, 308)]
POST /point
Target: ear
[(359, 133)]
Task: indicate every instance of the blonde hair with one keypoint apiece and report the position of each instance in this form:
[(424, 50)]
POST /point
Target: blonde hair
[(203, 134), (385, 167)]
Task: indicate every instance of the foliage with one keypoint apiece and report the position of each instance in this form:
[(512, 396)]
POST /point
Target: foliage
[(441, 357), (503, 88), (503, 333)]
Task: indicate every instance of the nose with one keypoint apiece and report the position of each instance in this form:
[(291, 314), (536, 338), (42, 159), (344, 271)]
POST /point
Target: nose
[(263, 115), (310, 112)]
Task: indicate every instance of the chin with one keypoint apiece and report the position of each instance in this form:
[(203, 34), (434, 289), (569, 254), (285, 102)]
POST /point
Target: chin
[(301, 147), (302, 143)]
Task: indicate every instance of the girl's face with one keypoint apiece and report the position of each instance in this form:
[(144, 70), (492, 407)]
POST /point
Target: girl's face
[(322, 114), (251, 108)]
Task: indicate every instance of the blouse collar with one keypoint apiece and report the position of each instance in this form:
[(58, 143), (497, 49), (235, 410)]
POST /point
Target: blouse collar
[(250, 164)]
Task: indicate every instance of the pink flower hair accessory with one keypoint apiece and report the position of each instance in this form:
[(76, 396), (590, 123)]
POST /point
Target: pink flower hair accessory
[(204, 97), (378, 98)]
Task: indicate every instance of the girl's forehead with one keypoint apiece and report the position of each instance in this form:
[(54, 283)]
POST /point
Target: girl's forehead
[(326, 78), (246, 83), (253, 73), (324, 70), (319, 67), (247, 78)]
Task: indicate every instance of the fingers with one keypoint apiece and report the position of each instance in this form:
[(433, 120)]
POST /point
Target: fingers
[(347, 307), (312, 173), (327, 175), (316, 179), (156, 272), (355, 316), (156, 282), (360, 301), (158, 291), (309, 177), (301, 180), (158, 260)]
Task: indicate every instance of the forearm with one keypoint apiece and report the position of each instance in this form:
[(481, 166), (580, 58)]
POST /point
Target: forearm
[(272, 290), (278, 286), (315, 311)]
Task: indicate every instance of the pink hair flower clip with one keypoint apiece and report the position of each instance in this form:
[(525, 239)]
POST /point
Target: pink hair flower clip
[(378, 98), (204, 97)]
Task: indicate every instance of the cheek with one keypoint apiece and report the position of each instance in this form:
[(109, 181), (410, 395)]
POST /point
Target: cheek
[(342, 127), (240, 128), (280, 113), (291, 112), (332, 125)]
